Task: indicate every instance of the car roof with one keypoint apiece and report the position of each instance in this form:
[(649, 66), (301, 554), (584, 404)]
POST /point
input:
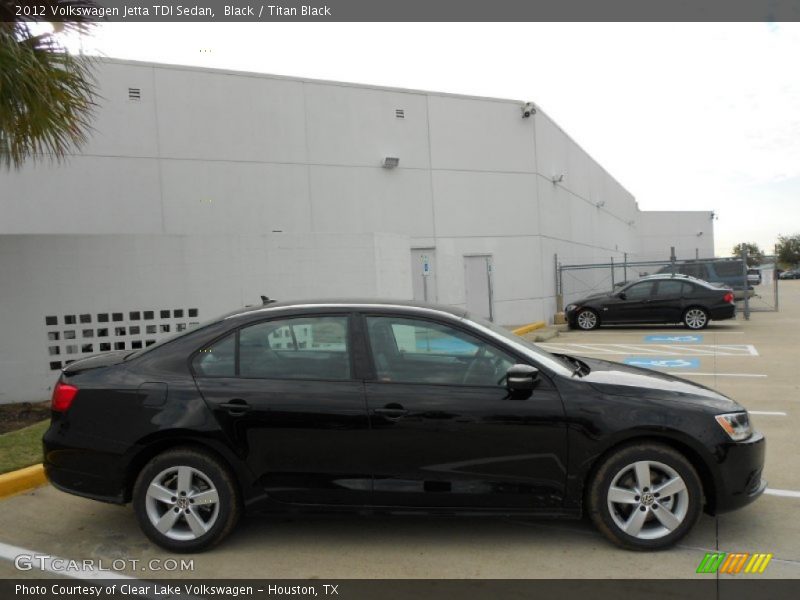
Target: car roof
[(355, 303), (668, 276)]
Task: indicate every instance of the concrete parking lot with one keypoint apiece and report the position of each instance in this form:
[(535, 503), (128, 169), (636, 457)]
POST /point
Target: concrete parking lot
[(753, 361)]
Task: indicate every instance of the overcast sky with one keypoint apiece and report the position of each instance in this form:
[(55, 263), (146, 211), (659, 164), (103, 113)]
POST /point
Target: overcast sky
[(685, 116)]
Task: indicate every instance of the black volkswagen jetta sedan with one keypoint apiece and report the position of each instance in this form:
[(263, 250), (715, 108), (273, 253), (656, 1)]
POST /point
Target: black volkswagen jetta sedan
[(655, 299), (391, 407)]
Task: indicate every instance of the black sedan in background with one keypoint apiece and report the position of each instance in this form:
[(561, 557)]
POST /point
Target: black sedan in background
[(391, 407), (655, 299)]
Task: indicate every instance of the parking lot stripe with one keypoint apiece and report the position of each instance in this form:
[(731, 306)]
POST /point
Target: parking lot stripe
[(782, 493), (11, 553), (767, 413), (654, 349), (724, 374)]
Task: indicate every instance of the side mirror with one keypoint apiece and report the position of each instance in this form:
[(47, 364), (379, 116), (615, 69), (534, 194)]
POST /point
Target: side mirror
[(622, 295), (522, 377)]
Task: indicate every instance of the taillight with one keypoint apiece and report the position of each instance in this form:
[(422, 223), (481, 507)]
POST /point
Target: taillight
[(63, 395), (728, 297)]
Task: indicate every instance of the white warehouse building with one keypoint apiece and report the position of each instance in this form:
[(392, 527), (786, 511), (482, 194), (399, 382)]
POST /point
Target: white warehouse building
[(200, 190)]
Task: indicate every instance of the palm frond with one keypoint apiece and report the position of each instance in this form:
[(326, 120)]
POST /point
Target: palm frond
[(47, 96)]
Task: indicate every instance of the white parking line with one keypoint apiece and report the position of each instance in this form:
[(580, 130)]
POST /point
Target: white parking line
[(654, 349), (782, 493), (721, 374), (767, 413), (11, 553)]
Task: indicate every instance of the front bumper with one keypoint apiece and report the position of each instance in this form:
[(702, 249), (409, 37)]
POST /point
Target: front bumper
[(739, 474)]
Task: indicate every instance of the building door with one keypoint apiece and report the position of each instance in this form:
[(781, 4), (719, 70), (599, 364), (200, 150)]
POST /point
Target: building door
[(423, 273), (478, 285)]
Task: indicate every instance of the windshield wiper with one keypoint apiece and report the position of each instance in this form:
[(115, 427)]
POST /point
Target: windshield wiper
[(579, 366)]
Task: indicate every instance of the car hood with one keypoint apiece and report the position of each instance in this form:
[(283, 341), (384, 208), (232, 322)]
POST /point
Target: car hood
[(625, 380), (592, 297)]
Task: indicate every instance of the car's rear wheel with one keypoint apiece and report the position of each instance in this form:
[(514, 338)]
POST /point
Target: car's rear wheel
[(186, 500), (645, 497), (587, 319), (695, 318)]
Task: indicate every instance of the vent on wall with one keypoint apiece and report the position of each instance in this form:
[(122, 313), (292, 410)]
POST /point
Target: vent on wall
[(126, 333), (400, 113), (135, 94)]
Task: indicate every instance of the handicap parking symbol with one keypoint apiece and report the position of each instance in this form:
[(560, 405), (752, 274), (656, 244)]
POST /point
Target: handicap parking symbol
[(662, 363), (673, 339)]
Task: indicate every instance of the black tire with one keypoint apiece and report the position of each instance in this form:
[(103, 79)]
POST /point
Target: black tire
[(587, 319), (683, 507), (207, 474), (695, 318)]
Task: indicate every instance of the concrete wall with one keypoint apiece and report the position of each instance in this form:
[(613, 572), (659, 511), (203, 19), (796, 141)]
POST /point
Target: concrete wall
[(690, 232), (81, 276), (214, 153)]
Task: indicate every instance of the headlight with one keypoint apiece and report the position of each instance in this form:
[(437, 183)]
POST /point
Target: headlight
[(736, 425), (570, 307)]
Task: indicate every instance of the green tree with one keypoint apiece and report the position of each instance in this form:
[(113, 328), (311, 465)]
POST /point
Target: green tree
[(47, 96), (755, 256), (788, 249)]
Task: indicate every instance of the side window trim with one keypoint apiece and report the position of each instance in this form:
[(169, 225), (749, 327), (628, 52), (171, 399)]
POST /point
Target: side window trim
[(193, 356), (349, 320)]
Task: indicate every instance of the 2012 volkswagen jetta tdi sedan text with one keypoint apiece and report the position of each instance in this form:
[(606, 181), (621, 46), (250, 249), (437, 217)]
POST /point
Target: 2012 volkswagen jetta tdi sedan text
[(391, 407)]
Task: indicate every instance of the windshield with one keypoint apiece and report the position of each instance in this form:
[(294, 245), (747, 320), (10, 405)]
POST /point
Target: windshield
[(535, 352)]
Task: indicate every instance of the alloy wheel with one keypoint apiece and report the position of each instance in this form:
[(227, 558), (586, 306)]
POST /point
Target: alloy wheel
[(648, 500), (695, 318), (587, 320), (182, 503)]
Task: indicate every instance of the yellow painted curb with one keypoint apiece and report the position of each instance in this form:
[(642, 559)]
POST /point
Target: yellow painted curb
[(22, 480), (528, 328)]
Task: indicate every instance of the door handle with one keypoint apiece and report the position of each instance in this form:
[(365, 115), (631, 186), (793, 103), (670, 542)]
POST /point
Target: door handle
[(391, 411), (236, 407)]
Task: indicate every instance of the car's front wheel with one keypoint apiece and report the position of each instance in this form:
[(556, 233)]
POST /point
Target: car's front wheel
[(186, 500), (695, 318), (645, 497), (587, 319)]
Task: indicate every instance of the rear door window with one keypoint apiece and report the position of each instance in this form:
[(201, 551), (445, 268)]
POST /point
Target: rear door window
[(729, 269), (298, 348), (669, 288), (694, 270)]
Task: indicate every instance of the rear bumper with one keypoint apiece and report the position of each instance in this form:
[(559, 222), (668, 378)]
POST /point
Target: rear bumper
[(739, 480), (720, 313), (78, 469), (84, 484)]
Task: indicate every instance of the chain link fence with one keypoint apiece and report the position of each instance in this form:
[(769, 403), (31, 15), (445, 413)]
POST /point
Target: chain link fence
[(755, 287)]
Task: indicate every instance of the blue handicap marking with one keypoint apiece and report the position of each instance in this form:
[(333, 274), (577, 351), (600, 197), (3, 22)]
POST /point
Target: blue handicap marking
[(673, 339), (650, 362)]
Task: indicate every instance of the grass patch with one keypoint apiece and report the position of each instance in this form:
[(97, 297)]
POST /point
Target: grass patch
[(22, 448)]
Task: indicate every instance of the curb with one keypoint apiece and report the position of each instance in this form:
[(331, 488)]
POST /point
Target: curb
[(22, 480), (528, 328)]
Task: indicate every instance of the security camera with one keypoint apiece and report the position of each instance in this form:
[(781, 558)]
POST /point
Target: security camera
[(528, 109)]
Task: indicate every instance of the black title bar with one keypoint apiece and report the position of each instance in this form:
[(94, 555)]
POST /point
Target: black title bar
[(409, 10)]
